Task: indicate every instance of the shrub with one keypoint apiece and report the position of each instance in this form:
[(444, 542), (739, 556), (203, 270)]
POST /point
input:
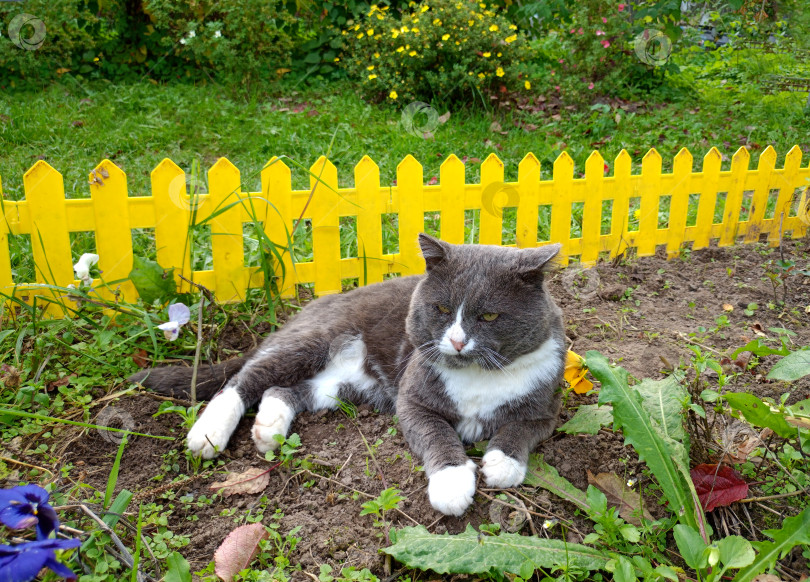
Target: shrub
[(238, 41), (439, 50)]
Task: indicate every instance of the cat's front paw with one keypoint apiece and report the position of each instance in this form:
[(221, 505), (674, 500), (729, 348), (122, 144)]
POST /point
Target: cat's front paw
[(206, 440), (274, 417), (451, 489), (501, 470)]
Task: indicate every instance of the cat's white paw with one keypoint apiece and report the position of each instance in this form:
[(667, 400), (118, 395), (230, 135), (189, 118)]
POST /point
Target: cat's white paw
[(274, 417), (451, 489), (501, 470), (210, 434)]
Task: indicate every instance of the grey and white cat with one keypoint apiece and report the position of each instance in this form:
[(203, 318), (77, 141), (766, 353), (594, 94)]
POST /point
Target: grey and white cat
[(474, 349)]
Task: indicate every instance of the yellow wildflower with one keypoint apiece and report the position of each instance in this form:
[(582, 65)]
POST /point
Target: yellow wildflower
[(412, 54), (393, 95), (377, 55), (361, 35), (415, 30), (394, 33), (509, 39), (337, 59), (379, 16), (512, 27), (481, 75), (637, 214), (370, 32), (437, 22), (370, 77), (403, 29), (425, 8), (400, 49), (575, 371), (470, 22), (370, 68), (487, 55), (493, 28), (445, 36), (499, 71)]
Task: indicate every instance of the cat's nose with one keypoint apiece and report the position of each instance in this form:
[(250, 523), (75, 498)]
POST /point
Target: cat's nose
[(458, 345)]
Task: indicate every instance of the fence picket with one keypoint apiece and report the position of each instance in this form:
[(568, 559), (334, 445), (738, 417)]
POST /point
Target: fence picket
[(650, 193), (528, 201), (734, 197), (620, 213), (411, 214), (708, 198), (451, 176), (227, 237), (561, 204), (6, 281), (172, 220), (325, 226), (759, 200), (495, 196), (592, 210), (276, 199), (369, 229), (679, 201)]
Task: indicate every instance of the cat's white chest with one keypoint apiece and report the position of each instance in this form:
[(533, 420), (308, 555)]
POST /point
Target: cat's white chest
[(478, 393)]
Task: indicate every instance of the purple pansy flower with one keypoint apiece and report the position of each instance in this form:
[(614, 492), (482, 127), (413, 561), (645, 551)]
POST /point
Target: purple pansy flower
[(22, 563), (179, 315), (27, 505)]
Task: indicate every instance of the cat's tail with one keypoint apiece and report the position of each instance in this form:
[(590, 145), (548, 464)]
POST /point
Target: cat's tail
[(175, 381)]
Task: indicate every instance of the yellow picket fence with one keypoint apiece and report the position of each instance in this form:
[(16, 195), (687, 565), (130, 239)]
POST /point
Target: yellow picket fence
[(48, 217)]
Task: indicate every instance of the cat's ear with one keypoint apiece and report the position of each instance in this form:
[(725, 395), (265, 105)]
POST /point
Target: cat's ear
[(433, 250), (535, 262)]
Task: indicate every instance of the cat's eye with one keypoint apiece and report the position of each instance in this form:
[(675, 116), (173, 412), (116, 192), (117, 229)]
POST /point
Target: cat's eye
[(443, 308), (489, 316)]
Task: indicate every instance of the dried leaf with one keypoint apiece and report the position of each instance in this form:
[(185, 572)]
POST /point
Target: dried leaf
[(140, 358), (238, 550), (728, 307), (444, 118), (495, 126), (718, 486), (619, 494), (252, 481)]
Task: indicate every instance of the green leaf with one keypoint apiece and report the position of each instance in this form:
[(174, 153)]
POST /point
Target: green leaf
[(623, 570), (667, 459), (759, 413), (151, 281), (735, 552), (759, 348), (588, 419), (791, 367), (541, 474), (664, 401), (179, 570), (473, 553), (691, 546), (795, 530)]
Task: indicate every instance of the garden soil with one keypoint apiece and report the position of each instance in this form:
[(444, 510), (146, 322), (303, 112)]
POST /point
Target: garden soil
[(642, 313)]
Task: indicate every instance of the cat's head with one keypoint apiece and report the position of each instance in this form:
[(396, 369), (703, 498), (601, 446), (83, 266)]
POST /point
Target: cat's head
[(484, 305)]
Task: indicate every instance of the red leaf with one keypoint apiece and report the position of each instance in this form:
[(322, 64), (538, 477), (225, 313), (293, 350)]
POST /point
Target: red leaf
[(238, 550), (718, 486)]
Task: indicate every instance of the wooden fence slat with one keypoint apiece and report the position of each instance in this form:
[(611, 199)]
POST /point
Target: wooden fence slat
[(528, 204), (620, 212), (592, 210), (325, 227), (6, 281), (759, 200), (495, 195), (679, 201), (369, 227), (113, 235), (734, 197), (172, 212), (227, 237), (50, 242), (787, 186), (708, 198), (451, 176), (276, 198), (650, 191), (411, 214), (563, 176)]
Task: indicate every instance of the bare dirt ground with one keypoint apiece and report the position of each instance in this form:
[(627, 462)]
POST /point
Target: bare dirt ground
[(639, 312)]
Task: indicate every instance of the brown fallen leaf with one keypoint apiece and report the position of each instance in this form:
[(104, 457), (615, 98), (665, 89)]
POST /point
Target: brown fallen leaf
[(444, 118), (495, 126), (238, 550), (618, 493), (728, 307), (767, 578), (252, 481), (140, 358)]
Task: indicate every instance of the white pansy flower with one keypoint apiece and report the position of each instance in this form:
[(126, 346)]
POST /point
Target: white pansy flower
[(82, 268), (179, 315), (631, 482), (549, 523)]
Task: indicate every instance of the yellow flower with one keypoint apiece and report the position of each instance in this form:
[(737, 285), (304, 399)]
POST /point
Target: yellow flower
[(400, 49), (373, 8), (437, 22), (412, 54), (637, 214), (499, 72), (415, 30), (499, 54), (527, 85), (394, 33), (357, 27), (575, 371), (493, 28), (370, 32), (393, 95), (404, 29), (360, 35), (512, 27), (376, 55), (512, 38), (379, 16), (445, 36), (370, 68), (370, 77), (471, 22), (481, 75), (337, 59), (425, 8), (487, 55)]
